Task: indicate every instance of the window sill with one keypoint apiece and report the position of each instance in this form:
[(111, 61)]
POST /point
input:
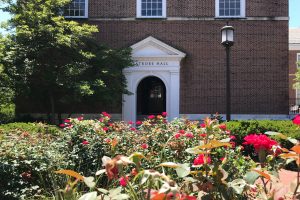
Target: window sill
[(76, 17), (151, 17), (231, 17)]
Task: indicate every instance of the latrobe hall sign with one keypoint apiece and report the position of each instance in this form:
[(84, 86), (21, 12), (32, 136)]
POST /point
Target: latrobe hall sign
[(151, 63)]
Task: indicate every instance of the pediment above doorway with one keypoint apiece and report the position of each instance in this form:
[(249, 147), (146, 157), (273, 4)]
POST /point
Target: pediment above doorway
[(154, 48), (157, 60)]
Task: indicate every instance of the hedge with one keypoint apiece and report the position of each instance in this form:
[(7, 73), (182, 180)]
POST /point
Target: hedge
[(242, 128)]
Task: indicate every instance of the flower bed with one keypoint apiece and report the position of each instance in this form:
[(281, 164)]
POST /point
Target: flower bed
[(151, 159)]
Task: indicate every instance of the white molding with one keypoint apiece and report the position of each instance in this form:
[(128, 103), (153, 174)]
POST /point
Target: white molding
[(147, 54), (241, 116), (294, 46), (118, 116), (139, 10), (242, 10), (193, 19), (86, 12)]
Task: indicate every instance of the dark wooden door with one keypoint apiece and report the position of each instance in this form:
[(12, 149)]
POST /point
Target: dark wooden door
[(151, 96)]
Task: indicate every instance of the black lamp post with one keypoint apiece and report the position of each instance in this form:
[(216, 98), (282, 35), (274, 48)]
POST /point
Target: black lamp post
[(227, 41)]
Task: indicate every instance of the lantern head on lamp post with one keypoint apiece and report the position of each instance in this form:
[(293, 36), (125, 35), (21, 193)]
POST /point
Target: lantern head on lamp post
[(227, 36), (228, 41)]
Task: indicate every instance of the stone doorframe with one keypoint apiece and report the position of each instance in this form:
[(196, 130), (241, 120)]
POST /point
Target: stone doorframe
[(153, 58)]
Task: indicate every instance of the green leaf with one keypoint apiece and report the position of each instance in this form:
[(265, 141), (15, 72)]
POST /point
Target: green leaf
[(194, 150), (292, 140), (238, 185), (102, 171), (115, 191), (89, 196), (104, 191), (89, 181), (183, 170), (276, 134), (168, 164), (251, 177), (121, 196)]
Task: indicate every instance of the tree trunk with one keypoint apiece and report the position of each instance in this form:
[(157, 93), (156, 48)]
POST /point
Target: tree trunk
[(52, 103)]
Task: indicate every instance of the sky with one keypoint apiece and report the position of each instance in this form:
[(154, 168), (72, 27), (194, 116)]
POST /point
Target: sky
[(294, 6)]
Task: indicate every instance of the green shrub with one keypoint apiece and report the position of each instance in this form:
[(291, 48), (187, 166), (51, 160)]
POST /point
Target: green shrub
[(29, 153), (242, 128), (29, 127), (7, 113)]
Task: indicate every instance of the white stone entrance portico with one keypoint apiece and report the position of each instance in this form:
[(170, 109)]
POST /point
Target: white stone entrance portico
[(153, 58)]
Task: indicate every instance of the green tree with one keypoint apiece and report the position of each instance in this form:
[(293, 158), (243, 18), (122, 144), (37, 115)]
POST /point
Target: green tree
[(7, 109), (297, 79), (56, 61)]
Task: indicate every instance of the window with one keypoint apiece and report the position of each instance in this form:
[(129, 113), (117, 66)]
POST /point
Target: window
[(230, 8), (151, 8), (77, 9), (298, 59)]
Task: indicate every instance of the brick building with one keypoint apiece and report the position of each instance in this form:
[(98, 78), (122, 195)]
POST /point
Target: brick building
[(294, 57), (180, 63)]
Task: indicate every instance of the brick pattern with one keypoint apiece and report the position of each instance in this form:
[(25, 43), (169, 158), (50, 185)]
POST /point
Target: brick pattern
[(181, 8), (259, 65)]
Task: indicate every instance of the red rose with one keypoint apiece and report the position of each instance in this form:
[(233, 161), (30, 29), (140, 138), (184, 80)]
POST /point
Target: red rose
[(296, 120), (123, 181), (105, 128), (181, 131), (132, 129), (151, 116), (203, 125), (130, 122), (144, 146), (105, 114), (80, 118), (138, 123), (67, 120), (222, 127), (232, 137), (164, 114), (203, 135), (85, 142), (259, 142), (189, 135), (200, 160), (62, 125), (177, 135)]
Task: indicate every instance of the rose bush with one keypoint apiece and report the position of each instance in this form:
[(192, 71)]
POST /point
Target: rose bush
[(150, 159)]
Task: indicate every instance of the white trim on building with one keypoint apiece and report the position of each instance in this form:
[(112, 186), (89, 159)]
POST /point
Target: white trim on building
[(242, 10), (153, 58), (139, 10)]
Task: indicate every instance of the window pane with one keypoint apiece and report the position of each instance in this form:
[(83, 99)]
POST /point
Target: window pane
[(229, 8), (75, 9), (151, 7)]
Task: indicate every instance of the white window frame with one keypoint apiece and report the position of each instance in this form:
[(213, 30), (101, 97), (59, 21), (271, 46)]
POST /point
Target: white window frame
[(86, 11), (242, 8), (139, 10)]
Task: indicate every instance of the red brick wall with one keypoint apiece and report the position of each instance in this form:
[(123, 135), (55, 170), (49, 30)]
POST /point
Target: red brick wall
[(259, 65), (182, 8)]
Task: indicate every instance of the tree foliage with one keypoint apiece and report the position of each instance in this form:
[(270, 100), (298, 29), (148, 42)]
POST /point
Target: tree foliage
[(297, 79), (56, 61)]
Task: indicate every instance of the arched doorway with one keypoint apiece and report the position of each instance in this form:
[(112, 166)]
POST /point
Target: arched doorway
[(151, 96)]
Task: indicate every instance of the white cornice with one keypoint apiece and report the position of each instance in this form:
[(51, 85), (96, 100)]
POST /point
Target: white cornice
[(294, 46)]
